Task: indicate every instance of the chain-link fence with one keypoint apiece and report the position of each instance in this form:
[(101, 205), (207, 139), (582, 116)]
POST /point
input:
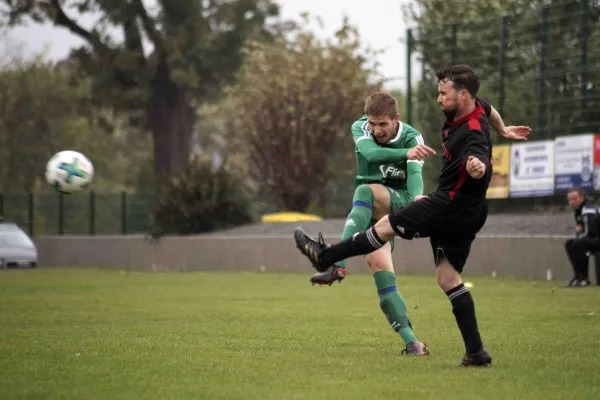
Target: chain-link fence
[(90, 213), (540, 67)]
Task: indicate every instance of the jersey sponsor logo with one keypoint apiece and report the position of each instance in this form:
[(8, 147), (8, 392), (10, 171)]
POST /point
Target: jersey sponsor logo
[(389, 171)]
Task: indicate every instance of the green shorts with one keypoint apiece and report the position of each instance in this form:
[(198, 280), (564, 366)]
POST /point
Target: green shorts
[(398, 199)]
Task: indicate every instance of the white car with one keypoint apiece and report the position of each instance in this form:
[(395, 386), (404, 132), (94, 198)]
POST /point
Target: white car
[(17, 250)]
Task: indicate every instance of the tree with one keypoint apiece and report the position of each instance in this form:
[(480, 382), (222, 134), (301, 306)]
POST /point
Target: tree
[(170, 59), (45, 108), (296, 99)]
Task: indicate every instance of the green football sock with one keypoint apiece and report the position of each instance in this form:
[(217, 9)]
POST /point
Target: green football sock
[(360, 216), (393, 305)]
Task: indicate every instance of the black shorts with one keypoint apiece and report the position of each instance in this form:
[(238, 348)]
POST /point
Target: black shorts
[(451, 229)]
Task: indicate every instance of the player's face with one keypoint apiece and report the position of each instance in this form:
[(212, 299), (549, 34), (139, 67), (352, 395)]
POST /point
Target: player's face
[(383, 127), (450, 99), (575, 200)]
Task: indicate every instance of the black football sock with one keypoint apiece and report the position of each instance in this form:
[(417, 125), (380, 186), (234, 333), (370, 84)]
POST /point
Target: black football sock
[(463, 308), (360, 243)]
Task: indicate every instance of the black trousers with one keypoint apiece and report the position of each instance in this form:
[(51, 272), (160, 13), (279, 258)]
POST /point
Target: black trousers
[(577, 250)]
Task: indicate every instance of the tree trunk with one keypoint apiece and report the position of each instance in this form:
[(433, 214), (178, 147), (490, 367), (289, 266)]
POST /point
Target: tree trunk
[(171, 119), (293, 200)]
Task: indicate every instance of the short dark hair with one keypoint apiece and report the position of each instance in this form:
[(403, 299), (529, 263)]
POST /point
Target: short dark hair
[(462, 77), (577, 189), (381, 103)]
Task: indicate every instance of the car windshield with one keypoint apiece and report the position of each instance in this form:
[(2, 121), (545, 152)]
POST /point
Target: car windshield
[(14, 237)]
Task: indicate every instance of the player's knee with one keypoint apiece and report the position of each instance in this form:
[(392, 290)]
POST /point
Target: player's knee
[(446, 275), (381, 260), (363, 197), (384, 230), (447, 281), (382, 222), (363, 192), (377, 265), (381, 200)]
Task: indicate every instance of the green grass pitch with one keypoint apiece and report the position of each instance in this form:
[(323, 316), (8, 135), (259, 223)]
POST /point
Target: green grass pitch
[(106, 334)]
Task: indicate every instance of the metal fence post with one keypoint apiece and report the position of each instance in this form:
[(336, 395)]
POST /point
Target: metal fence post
[(61, 214), (1, 205), (584, 36), (502, 66), (408, 76), (30, 216), (123, 213), (543, 49), (92, 212), (454, 42)]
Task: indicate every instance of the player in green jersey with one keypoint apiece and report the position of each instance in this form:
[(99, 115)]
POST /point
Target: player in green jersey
[(389, 163), (389, 157)]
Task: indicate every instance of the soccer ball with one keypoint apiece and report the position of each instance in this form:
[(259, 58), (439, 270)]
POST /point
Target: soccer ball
[(69, 171)]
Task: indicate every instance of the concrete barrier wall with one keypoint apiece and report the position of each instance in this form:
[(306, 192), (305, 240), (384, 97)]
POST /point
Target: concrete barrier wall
[(525, 257)]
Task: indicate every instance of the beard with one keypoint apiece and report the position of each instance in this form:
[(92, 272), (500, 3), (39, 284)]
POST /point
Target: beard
[(450, 113)]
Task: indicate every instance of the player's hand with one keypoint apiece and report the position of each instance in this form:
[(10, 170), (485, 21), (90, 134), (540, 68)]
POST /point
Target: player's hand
[(419, 151), (517, 133), (419, 197), (475, 167), (579, 228)]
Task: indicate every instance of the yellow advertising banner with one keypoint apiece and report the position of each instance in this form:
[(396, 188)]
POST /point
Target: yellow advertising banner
[(499, 185)]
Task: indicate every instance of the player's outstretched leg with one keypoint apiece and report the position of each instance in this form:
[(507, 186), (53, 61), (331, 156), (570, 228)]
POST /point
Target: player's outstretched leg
[(463, 308), (323, 255), (357, 221)]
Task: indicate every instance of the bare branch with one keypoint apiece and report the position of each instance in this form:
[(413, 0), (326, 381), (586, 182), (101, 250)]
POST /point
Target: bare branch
[(56, 11), (133, 40), (150, 27)]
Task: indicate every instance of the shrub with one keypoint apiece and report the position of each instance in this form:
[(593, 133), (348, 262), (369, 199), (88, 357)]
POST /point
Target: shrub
[(203, 198)]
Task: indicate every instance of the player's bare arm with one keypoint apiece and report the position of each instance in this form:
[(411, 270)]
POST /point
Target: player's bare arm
[(517, 133)]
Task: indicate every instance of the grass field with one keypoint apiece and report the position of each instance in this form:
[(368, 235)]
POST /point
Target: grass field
[(93, 334)]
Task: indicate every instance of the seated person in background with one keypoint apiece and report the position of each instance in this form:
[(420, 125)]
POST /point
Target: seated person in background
[(587, 236)]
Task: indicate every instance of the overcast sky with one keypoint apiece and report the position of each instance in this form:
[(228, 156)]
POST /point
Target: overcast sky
[(381, 25)]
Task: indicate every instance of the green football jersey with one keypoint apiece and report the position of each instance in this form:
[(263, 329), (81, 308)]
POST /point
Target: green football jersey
[(386, 164)]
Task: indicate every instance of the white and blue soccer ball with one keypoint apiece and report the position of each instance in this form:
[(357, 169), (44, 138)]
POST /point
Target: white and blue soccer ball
[(69, 171)]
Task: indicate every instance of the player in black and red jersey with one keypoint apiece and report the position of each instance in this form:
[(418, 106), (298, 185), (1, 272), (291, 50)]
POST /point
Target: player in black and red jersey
[(450, 217)]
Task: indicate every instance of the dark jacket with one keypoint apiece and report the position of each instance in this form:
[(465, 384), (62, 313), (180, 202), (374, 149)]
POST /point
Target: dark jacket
[(588, 216)]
